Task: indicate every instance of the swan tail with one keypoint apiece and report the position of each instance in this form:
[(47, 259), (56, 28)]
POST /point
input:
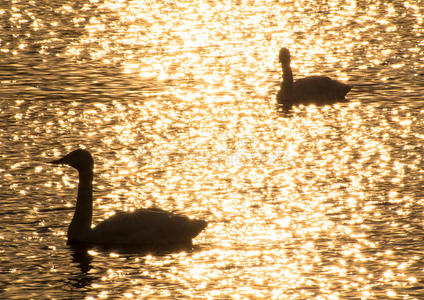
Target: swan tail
[(196, 226)]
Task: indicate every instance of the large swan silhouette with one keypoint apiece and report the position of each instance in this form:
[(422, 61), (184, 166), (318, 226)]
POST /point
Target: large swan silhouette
[(148, 227), (318, 90)]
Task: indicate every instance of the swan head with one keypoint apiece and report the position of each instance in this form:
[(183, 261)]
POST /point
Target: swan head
[(284, 56), (80, 159)]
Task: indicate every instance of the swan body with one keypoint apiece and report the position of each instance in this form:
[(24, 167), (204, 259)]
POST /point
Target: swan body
[(320, 90), (149, 227)]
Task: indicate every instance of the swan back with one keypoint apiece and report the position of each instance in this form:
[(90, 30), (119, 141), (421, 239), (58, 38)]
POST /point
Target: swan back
[(151, 226), (319, 89)]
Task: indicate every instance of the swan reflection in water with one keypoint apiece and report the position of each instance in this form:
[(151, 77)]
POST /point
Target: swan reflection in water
[(151, 227), (319, 90)]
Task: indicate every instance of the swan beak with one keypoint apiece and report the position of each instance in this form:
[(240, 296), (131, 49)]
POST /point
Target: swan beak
[(60, 161)]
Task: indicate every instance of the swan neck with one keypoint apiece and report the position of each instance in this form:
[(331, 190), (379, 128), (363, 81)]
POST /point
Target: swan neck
[(81, 222), (287, 75), (284, 96)]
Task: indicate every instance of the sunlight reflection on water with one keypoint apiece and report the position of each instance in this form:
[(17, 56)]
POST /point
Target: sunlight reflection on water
[(176, 103)]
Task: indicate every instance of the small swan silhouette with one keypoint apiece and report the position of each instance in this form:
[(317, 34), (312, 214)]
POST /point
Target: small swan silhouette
[(318, 90), (149, 227)]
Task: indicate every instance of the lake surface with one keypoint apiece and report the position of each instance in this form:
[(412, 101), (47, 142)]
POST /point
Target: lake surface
[(176, 102)]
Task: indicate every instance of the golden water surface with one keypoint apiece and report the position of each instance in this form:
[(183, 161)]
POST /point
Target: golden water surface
[(176, 102)]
